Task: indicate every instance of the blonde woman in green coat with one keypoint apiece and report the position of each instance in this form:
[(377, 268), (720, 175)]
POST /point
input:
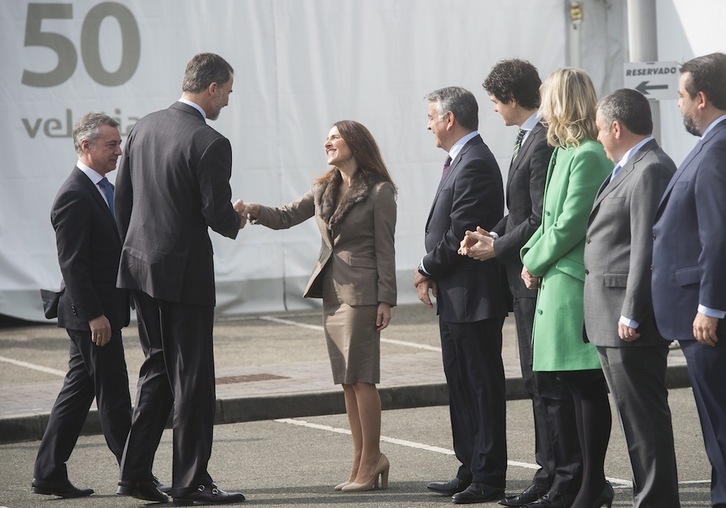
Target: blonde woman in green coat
[(553, 263)]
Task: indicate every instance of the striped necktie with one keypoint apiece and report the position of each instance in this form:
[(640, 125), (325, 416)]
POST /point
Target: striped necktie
[(518, 142)]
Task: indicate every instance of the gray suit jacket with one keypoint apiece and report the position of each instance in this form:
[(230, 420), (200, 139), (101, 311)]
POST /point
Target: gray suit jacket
[(619, 247), (172, 186)]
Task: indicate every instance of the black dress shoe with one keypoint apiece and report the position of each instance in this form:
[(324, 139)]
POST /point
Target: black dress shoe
[(477, 492), (208, 494), (61, 488), (448, 488), (552, 499), (161, 487), (528, 495), (145, 490)]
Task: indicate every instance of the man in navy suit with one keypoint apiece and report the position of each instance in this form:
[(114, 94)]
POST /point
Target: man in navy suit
[(513, 88), (469, 296), (91, 308), (689, 279)]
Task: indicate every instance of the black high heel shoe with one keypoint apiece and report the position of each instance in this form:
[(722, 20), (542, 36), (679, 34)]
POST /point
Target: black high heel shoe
[(605, 498)]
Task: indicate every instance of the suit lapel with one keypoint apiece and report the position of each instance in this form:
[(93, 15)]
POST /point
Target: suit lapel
[(610, 184), (96, 196), (687, 161), (522, 155), (452, 169)]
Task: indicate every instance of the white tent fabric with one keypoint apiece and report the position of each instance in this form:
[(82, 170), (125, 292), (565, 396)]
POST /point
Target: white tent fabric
[(299, 66)]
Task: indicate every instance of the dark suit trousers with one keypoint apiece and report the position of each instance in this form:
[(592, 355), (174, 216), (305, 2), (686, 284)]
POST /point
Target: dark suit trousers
[(636, 378), (557, 448), (92, 372), (472, 356), (707, 370), (177, 374)]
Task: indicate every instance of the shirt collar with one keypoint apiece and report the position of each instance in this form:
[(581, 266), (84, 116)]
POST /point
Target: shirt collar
[(90, 172), (530, 122), (630, 152), (712, 125), (195, 106), (460, 144)]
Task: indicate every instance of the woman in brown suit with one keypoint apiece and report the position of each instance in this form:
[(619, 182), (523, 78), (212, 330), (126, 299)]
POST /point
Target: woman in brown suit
[(355, 209)]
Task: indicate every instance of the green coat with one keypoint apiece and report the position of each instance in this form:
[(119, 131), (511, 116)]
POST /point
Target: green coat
[(555, 253)]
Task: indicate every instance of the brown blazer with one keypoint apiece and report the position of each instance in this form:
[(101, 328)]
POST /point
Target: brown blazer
[(357, 240)]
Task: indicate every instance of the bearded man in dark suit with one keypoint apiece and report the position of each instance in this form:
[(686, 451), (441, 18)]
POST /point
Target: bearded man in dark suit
[(689, 246), (172, 186)]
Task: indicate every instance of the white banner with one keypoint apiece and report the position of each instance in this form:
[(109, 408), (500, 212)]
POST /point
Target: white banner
[(300, 65)]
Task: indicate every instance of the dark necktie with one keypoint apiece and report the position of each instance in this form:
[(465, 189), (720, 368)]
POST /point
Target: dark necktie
[(108, 192), (518, 142), (447, 166)]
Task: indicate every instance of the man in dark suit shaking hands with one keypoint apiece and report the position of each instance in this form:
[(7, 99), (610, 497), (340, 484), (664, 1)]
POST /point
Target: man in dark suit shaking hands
[(689, 279), (513, 88), (91, 309), (618, 305), (470, 300), (172, 186)]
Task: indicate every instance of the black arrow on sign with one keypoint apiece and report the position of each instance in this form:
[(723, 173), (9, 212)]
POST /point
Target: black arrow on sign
[(643, 87)]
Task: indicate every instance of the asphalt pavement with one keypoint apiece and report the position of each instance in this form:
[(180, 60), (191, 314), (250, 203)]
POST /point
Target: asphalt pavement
[(281, 437)]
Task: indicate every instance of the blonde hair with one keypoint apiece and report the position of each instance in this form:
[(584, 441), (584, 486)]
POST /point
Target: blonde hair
[(568, 107)]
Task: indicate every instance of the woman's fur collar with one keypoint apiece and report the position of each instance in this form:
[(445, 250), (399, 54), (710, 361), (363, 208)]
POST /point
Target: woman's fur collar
[(327, 195)]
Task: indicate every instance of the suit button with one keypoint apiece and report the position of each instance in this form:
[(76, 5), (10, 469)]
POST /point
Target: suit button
[(539, 311), (587, 272), (588, 240)]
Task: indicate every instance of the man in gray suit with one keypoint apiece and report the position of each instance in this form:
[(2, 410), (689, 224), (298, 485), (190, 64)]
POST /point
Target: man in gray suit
[(618, 305), (172, 186)]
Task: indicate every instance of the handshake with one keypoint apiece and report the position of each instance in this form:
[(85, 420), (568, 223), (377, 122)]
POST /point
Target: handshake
[(246, 212)]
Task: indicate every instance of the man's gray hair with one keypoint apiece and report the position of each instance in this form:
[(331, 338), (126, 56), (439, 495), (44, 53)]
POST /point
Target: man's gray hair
[(88, 126), (460, 102)]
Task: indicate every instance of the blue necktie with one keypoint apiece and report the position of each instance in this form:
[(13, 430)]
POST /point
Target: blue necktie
[(108, 192), (616, 170)]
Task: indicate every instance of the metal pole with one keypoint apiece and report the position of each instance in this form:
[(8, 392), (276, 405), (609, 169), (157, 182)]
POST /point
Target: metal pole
[(643, 43), (575, 15)]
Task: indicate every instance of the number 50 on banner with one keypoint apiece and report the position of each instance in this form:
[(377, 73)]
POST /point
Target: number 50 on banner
[(66, 52)]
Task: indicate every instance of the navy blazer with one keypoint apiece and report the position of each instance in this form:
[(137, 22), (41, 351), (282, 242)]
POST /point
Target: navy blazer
[(470, 195), (689, 240), (89, 248)]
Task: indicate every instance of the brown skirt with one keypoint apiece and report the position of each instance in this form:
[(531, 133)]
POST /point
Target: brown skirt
[(354, 344)]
